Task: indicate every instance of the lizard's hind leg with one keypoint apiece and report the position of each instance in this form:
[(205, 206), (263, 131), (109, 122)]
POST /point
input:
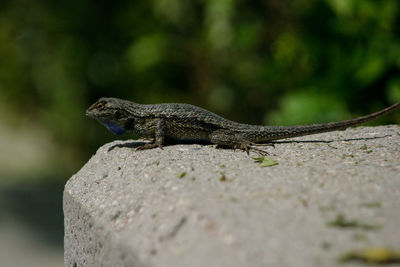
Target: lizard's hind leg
[(225, 138)]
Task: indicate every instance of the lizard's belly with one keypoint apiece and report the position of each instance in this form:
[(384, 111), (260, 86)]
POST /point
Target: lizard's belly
[(178, 132)]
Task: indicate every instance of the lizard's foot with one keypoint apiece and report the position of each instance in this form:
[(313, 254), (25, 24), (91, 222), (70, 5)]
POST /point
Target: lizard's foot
[(149, 146), (241, 146), (262, 152), (247, 147), (259, 151), (227, 139)]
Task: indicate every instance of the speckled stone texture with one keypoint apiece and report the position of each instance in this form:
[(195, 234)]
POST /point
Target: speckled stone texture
[(194, 205)]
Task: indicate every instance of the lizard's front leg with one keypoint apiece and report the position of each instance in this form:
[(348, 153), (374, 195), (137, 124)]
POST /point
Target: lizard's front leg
[(159, 132)]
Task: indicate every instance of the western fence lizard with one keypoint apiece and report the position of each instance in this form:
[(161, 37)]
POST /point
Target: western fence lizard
[(184, 123)]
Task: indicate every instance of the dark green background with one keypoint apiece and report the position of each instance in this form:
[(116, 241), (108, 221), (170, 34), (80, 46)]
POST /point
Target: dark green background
[(261, 62)]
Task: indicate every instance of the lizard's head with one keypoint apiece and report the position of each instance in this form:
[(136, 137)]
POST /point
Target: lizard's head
[(111, 113)]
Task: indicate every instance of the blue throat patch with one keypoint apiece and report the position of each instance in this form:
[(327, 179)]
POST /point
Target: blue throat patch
[(115, 128)]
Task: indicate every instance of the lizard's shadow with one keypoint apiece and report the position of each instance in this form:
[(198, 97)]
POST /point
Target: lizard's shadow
[(130, 144), (138, 143), (135, 144), (329, 141)]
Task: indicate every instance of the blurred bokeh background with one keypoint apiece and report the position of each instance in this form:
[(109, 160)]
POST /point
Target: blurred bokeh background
[(260, 62)]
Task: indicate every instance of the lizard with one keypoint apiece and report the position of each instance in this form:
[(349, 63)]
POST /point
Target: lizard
[(185, 123)]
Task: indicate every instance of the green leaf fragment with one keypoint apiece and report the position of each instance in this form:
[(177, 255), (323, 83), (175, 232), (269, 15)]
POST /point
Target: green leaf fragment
[(183, 174), (378, 255), (342, 222), (364, 147), (265, 161), (222, 178), (374, 204)]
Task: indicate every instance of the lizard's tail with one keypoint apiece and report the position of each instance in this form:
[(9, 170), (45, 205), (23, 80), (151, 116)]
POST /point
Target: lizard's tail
[(274, 133)]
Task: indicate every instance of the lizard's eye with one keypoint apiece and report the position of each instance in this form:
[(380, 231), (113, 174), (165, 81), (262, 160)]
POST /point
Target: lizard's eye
[(100, 105)]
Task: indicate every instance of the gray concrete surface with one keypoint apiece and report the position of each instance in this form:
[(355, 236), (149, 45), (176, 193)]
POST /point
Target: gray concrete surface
[(134, 208)]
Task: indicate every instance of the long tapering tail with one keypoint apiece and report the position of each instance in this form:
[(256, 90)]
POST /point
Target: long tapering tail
[(274, 133)]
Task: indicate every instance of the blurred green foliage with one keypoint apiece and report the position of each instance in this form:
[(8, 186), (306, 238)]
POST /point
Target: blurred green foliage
[(272, 62)]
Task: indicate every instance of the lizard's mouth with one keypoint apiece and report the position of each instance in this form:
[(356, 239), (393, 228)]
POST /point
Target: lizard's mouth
[(89, 112)]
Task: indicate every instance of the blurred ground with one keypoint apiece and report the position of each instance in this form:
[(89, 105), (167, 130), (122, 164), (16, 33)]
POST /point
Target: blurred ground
[(31, 219), (19, 246)]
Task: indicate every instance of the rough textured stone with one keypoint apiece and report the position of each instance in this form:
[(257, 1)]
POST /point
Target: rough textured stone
[(194, 205)]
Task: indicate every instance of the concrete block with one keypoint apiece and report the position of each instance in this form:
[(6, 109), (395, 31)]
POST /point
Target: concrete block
[(195, 205)]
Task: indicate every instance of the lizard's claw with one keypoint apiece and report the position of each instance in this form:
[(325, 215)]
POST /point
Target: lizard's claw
[(147, 146), (260, 151)]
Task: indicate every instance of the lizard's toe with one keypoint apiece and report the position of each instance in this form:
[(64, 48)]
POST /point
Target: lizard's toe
[(260, 151), (146, 146)]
